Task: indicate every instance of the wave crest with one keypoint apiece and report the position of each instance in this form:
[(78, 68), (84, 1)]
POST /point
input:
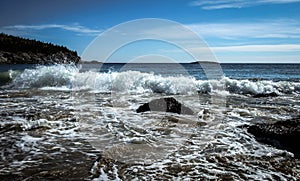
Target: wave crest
[(43, 76), (138, 82)]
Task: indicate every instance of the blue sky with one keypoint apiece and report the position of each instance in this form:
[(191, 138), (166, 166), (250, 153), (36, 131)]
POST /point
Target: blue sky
[(239, 31)]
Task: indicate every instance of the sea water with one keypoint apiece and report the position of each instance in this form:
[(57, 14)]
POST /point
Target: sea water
[(80, 122)]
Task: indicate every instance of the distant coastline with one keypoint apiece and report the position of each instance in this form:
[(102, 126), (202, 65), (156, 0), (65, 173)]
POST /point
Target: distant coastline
[(17, 50), (89, 62), (207, 62)]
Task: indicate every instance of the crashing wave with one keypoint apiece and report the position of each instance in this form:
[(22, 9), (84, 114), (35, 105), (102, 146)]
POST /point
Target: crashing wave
[(69, 76), (43, 76)]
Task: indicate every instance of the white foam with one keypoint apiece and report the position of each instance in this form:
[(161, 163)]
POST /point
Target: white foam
[(68, 77), (63, 88), (43, 76)]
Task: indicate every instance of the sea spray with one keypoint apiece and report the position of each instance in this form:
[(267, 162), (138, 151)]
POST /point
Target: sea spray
[(79, 126), (42, 76), (136, 82)]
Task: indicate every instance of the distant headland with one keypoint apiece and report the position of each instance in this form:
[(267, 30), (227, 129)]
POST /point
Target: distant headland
[(90, 62), (17, 50), (206, 62)]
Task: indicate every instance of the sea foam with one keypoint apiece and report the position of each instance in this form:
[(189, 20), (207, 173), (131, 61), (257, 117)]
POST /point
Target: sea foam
[(69, 77), (43, 76)]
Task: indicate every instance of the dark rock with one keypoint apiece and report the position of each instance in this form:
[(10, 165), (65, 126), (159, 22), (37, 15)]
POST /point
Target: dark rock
[(10, 127), (168, 104), (272, 94), (282, 134)]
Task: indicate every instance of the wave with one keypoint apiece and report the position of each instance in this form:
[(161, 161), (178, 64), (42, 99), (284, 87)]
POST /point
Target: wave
[(8, 76), (69, 77), (43, 76), (263, 87)]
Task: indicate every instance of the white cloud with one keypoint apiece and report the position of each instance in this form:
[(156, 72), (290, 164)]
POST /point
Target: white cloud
[(223, 4), (260, 48), (281, 48), (270, 31), (74, 28), (285, 53), (262, 29)]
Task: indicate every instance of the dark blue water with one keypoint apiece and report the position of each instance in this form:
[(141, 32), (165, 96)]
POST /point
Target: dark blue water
[(275, 72), (6, 67)]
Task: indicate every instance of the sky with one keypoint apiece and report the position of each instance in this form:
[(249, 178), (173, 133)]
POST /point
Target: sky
[(237, 31)]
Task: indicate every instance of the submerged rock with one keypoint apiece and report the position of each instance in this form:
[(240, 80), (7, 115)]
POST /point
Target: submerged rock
[(167, 104), (282, 134)]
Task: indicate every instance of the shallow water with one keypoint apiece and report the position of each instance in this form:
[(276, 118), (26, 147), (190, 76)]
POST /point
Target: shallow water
[(83, 125)]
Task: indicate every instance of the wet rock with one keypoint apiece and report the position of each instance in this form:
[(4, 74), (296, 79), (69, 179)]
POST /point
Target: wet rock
[(10, 127), (282, 134), (272, 94), (167, 104), (204, 114)]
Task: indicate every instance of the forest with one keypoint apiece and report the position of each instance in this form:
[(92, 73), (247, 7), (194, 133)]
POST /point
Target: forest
[(9, 43), (22, 50)]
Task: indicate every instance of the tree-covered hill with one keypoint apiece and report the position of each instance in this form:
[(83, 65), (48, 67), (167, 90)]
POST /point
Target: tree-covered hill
[(20, 50)]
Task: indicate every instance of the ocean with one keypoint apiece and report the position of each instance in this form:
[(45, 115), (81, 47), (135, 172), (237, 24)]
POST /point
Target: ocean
[(80, 122)]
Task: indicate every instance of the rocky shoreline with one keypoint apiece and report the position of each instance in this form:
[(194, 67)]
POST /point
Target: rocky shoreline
[(37, 58)]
